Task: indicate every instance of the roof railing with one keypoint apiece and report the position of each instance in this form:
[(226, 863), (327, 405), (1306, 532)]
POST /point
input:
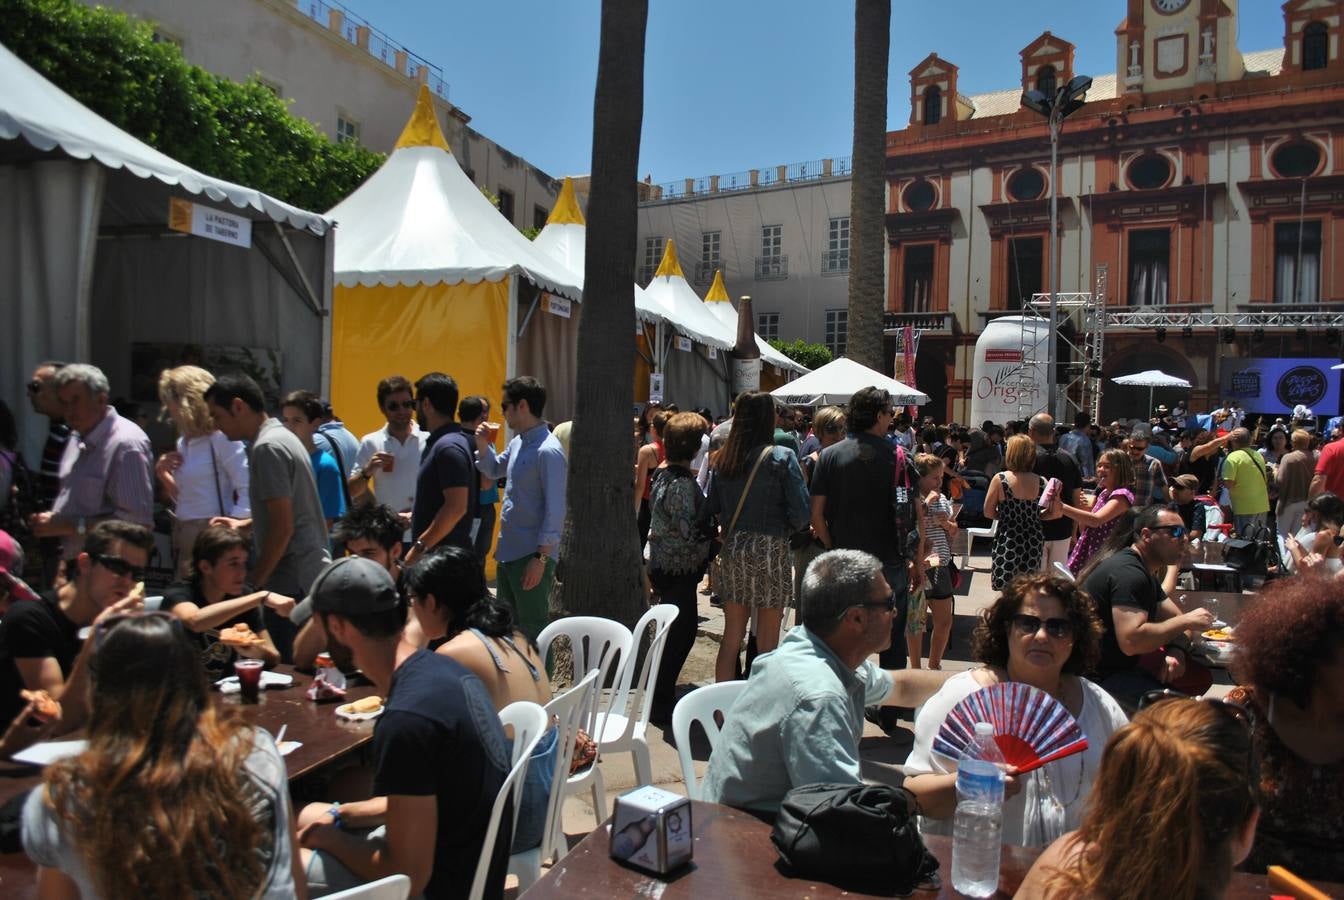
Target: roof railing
[(357, 31), (773, 176)]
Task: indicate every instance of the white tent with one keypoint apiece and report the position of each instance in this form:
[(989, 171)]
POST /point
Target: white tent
[(835, 382), (431, 277), (91, 271), (1152, 379), (717, 302)]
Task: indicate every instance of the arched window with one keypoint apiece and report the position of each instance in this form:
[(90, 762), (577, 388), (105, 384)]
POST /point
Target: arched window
[(1045, 81), (1315, 46), (933, 105)]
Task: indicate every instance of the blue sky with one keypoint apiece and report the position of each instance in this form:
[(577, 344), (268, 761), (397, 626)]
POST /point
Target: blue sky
[(731, 84)]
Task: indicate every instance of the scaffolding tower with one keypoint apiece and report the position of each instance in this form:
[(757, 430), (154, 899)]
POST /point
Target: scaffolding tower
[(1082, 350)]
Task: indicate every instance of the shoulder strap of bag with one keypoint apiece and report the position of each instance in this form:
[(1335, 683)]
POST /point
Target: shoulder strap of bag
[(214, 466), (901, 476), (741, 501), (340, 464)]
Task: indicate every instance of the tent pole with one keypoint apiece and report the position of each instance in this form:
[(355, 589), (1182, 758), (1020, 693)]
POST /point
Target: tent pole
[(298, 269)]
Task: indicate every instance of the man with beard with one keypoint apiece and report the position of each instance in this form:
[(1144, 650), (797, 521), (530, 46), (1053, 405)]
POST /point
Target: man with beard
[(439, 753), (446, 493), (1138, 616)]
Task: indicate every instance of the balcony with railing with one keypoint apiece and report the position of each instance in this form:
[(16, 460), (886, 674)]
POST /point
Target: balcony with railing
[(772, 268), (772, 176), (835, 262), (336, 18), (704, 271), (893, 322)]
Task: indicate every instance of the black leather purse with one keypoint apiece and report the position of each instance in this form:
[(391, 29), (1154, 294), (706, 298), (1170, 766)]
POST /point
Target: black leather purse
[(1255, 552), (859, 837)]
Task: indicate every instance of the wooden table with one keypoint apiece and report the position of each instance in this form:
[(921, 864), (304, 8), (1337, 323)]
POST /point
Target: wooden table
[(325, 739), (734, 858)]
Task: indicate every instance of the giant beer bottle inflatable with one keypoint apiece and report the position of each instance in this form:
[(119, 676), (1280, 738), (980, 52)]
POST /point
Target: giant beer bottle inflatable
[(999, 392), (746, 356)]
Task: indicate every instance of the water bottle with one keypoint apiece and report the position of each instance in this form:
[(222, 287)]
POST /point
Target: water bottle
[(978, 825)]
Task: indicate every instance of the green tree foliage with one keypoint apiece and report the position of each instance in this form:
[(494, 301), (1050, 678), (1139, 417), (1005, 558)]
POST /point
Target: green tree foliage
[(813, 356), (239, 132)]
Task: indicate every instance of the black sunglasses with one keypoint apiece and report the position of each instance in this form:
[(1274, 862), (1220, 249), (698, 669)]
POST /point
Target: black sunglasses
[(34, 387), (1177, 531), (118, 566), (394, 405), (1055, 628), (889, 604)]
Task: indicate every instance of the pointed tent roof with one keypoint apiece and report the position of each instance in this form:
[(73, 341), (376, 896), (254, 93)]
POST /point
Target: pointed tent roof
[(682, 306), (836, 382), (420, 220), (563, 240), (717, 302)]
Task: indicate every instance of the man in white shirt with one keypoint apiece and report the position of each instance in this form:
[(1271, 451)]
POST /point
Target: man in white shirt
[(389, 459)]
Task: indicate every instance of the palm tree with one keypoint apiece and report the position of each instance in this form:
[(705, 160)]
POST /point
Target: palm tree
[(867, 247), (600, 551)]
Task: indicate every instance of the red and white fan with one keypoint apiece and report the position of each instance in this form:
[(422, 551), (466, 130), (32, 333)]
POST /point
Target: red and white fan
[(1031, 727)]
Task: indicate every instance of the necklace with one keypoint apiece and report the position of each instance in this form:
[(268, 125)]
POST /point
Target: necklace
[(1077, 789)]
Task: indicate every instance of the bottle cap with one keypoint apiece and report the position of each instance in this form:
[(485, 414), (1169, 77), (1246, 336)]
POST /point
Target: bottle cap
[(984, 729)]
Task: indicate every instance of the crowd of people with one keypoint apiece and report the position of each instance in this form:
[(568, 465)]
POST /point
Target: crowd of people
[(846, 515)]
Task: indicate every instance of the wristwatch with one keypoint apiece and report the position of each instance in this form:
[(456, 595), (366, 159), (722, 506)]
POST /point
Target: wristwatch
[(335, 812)]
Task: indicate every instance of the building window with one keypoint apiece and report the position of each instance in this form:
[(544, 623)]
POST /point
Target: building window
[(506, 204), (933, 105), (1026, 258), (837, 331), (920, 196), (1045, 81), (836, 259), (539, 216), (653, 255), (917, 278), (1315, 46), (767, 326), (772, 263), (347, 129), (709, 256), (1297, 262), (1027, 183), (1296, 159), (1149, 172), (1149, 258)]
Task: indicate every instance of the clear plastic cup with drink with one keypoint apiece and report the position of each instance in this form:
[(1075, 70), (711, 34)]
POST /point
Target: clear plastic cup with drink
[(249, 678)]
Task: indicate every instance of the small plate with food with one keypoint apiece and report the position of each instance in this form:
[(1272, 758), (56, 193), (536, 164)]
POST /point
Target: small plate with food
[(1219, 634), (240, 635), (361, 710)]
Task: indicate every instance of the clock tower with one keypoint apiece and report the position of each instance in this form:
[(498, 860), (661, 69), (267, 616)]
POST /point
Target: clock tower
[(1166, 45)]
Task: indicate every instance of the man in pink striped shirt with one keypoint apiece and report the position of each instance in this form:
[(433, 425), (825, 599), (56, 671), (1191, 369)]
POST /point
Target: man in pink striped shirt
[(106, 472)]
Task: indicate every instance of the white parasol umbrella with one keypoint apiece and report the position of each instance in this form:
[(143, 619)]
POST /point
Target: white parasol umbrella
[(1153, 378), (838, 379)]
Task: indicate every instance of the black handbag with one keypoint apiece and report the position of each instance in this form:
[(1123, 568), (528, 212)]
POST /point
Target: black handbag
[(1255, 552), (941, 581), (859, 837)]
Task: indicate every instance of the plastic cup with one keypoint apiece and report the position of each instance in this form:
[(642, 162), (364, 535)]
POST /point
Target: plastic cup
[(389, 464), (249, 679), (491, 431)]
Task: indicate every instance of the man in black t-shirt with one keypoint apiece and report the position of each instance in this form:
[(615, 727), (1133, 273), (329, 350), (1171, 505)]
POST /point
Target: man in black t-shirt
[(1135, 611), (39, 639), (1052, 462), (446, 495), (439, 751)]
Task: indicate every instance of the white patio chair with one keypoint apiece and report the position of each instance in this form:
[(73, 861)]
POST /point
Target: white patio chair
[(393, 887), (1063, 570), (529, 721), (700, 705), (627, 719), (971, 535), (595, 643), (567, 710)]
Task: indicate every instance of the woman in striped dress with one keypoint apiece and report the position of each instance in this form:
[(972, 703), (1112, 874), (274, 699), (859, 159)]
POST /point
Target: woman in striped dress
[(938, 530)]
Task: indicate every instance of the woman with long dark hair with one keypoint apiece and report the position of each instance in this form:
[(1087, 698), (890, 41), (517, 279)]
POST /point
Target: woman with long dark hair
[(171, 798), (756, 491), (1173, 810)]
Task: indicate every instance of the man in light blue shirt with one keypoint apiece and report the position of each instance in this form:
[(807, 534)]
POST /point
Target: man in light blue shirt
[(1079, 444), (800, 717), (533, 513)]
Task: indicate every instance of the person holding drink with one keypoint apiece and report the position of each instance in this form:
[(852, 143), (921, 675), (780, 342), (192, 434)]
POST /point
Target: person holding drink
[(1115, 475)]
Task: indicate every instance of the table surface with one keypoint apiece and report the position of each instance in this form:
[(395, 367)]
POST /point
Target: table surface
[(734, 858), (326, 738)]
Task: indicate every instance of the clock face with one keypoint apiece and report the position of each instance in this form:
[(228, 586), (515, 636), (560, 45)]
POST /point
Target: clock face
[(1170, 6)]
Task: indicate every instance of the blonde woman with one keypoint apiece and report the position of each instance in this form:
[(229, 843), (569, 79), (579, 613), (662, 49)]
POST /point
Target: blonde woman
[(206, 475)]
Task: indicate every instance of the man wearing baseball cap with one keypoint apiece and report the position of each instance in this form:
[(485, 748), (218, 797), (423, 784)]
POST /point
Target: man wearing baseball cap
[(1183, 490), (12, 587), (439, 752)]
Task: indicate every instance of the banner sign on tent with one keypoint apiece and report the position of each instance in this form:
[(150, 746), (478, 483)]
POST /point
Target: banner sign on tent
[(907, 347), (713, 352), (683, 344), (556, 306), (210, 223), (655, 387), (1267, 385)]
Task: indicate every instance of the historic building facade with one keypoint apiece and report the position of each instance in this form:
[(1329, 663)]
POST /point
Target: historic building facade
[(1196, 178)]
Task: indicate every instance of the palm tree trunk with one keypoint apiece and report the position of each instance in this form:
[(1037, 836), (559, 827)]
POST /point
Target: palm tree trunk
[(600, 552), (867, 226)]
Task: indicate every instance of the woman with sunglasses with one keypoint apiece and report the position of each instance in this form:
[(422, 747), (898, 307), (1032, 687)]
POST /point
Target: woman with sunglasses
[(216, 597), (1042, 631), (206, 474), (1173, 811), (171, 798), (1115, 495), (1290, 663)]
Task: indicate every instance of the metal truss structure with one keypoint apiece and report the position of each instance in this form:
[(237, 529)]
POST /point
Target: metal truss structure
[(1082, 367), (1280, 319)]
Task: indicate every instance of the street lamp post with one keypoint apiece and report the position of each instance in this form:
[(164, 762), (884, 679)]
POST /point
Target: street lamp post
[(1067, 100)]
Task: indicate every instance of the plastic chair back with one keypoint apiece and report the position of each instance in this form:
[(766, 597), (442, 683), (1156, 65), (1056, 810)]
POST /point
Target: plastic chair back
[(660, 617), (393, 887), (700, 705), (567, 709), (595, 643), (528, 721)]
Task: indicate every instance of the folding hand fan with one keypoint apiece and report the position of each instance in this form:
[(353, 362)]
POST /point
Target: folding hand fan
[(1031, 727)]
